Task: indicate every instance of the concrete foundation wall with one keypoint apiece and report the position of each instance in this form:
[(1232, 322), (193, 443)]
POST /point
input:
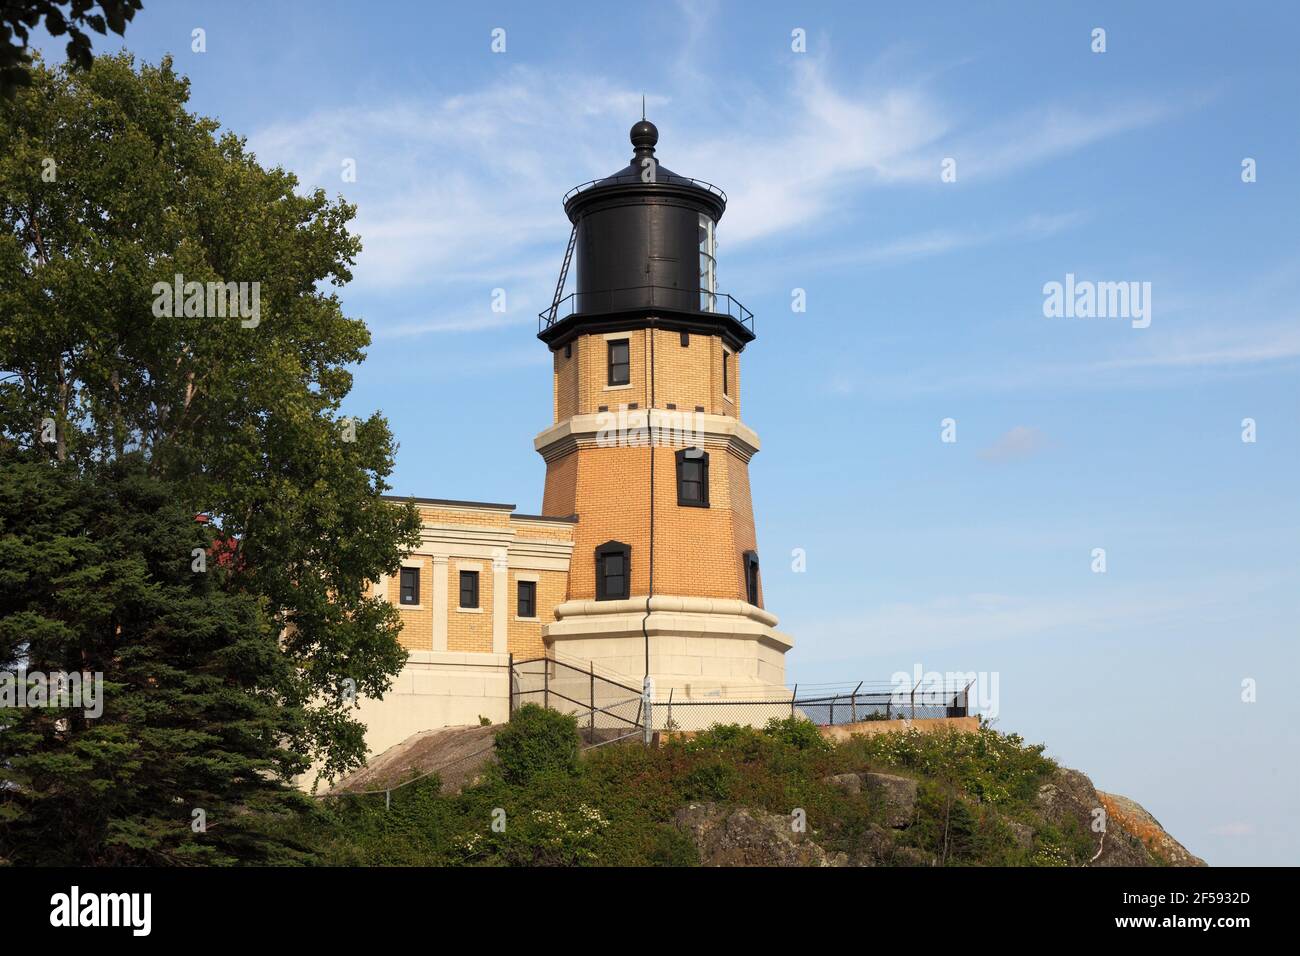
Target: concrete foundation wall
[(438, 689)]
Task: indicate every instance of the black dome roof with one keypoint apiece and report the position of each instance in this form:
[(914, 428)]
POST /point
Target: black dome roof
[(644, 136)]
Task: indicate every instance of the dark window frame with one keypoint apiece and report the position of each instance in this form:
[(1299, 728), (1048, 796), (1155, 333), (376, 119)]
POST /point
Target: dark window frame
[(413, 587), (472, 577), (625, 365), (751, 578), (684, 457), (608, 550), (529, 587), (726, 373)]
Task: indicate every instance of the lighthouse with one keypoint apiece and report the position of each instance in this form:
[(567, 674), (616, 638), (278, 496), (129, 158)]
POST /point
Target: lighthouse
[(647, 448)]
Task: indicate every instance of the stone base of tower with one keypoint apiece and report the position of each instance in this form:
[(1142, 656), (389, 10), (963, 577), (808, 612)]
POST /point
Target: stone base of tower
[(700, 648)]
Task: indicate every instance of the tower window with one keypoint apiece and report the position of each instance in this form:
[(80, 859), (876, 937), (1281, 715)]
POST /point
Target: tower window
[(708, 264), (686, 340), (619, 364), (568, 350), (693, 478), (726, 372), (527, 599), (613, 571), (751, 577), (410, 586), (469, 589)]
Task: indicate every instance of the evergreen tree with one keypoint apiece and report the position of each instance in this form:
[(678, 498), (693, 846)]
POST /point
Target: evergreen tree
[(187, 758)]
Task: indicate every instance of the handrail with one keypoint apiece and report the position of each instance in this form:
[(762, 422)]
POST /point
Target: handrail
[(668, 297), (660, 179)]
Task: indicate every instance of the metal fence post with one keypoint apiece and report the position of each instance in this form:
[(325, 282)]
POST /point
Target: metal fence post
[(647, 691), (833, 700), (546, 683), (510, 686), (591, 669), (669, 724), (854, 712), (793, 697)]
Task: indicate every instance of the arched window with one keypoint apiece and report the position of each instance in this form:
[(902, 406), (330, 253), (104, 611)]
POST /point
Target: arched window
[(751, 578), (693, 478), (613, 571)]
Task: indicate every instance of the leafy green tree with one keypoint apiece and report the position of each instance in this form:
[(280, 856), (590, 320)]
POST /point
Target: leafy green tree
[(19, 17), (109, 190), (184, 758)]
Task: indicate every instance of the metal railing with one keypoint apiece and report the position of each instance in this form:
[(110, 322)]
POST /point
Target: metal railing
[(605, 709), (662, 177), (826, 710), (700, 301)]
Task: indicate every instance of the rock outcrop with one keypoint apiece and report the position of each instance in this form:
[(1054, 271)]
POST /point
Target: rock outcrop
[(1134, 818), (726, 836), (1125, 834), (896, 795)]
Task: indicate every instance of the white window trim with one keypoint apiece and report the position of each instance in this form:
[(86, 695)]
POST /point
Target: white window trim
[(419, 605), (535, 578)]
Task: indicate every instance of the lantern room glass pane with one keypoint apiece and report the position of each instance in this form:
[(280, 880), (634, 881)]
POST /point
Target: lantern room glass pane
[(708, 264)]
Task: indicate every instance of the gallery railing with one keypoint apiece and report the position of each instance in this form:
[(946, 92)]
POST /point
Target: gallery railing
[(700, 301)]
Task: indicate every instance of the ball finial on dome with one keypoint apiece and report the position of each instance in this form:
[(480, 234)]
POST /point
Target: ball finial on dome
[(644, 135)]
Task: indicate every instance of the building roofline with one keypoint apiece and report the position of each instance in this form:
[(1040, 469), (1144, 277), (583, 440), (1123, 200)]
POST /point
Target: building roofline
[(494, 505), (567, 519)]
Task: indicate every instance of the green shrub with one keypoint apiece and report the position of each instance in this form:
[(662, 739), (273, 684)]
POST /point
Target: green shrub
[(537, 741), (799, 733), (994, 768), (710, 781)]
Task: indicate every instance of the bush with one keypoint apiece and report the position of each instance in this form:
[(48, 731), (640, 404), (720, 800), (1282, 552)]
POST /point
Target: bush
[(799, 733), (537, 741), (710, 781), (993, 768)]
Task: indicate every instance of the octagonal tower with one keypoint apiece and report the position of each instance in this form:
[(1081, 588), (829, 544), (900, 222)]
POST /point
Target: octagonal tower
[(648, 449)]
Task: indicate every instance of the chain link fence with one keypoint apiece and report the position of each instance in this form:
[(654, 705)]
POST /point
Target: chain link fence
[(607, 709), (879, 702)]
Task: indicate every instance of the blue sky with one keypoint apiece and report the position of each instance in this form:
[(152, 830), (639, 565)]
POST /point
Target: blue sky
[(925, 302)]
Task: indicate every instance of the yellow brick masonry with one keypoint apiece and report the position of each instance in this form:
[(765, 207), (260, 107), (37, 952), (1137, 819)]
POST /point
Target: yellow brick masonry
[(687, 376), (472, 630), (698, 551)]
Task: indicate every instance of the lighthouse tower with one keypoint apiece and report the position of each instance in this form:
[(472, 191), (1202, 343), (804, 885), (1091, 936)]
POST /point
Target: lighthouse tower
[(648, 449)]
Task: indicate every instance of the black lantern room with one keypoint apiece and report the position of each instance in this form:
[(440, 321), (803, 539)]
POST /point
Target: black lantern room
[(645, 239)]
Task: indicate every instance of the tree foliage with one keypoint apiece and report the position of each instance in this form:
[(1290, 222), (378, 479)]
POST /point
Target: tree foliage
[(189, 752), (109, 189), (19, 17)]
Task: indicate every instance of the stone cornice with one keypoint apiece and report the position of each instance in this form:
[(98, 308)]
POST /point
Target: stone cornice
[(630, 428)]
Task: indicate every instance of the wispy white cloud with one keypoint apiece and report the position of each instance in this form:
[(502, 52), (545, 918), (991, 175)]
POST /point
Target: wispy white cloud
[(465, 189), (937, 242), (1042, 133), (1215, 347), (1022, 441), (1227, 346)]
